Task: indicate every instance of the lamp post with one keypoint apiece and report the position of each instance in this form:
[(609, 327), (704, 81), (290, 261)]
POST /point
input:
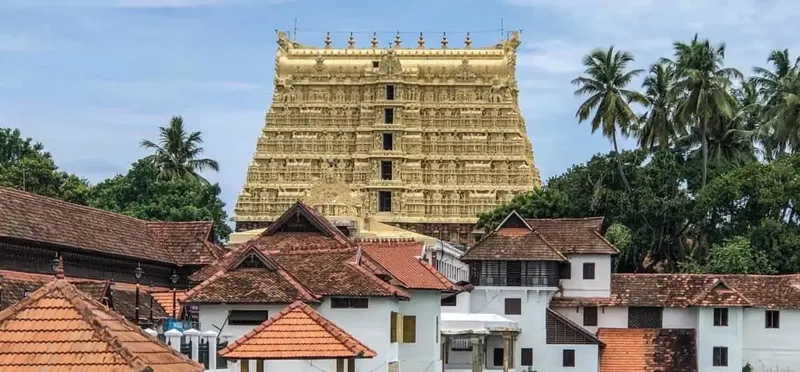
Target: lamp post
[(174, 280), (138, 274), (150, 292)]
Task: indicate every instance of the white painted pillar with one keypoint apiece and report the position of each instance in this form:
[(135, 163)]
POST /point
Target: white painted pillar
[(194, 338), (211, 341), (174, 338)]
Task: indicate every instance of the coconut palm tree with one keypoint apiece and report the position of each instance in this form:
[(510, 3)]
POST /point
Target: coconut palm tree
[(605, 82), (176, 154), (657, 126), (703, 89), (778, 87), (784, 114), (769, 82)]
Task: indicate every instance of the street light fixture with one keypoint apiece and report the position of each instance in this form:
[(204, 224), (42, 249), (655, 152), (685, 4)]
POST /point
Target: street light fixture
[(174, 280), (54, 264), (138, 274)]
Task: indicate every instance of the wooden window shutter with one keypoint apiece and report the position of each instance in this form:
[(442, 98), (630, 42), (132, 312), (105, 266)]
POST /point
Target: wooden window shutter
[(393, 327), (527, 357), (409, 329)]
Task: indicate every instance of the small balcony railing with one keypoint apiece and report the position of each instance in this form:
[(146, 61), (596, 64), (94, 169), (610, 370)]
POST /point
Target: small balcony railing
[(515, 281)]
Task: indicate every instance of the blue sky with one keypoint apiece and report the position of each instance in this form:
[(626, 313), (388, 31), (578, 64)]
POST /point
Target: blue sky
[(91, 78)]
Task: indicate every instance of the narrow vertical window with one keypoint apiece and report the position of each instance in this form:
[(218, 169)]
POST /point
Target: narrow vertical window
[(390, 92), (773, 319), (721, 317), (388, 143), (568, 358), (590, 316), (384, 201), (588, 271), (720, 356), (388, 116)]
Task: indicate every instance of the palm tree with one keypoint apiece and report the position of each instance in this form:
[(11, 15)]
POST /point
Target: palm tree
[(703, 88), (605, 83), (784, 114), (779, 90), (657, 126), (176, 154), (769, 82)]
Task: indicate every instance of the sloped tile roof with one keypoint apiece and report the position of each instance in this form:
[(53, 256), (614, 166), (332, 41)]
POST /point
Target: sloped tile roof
[(574, 235), (400, 259), (58, 328), (648, 350), (301, 210), (683, 290), (36, 218), (164, 299), (297, 332), (123, 297), (562, 331), (513, 244), (189, 242)]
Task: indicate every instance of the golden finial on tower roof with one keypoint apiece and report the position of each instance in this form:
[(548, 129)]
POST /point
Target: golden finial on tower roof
[(421, 41), (444, 40), (328, 40), (397, 40), (351, 42), (374, 41), (467, 41)]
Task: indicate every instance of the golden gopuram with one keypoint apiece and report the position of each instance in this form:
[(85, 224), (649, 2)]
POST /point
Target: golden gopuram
[(422, 138)]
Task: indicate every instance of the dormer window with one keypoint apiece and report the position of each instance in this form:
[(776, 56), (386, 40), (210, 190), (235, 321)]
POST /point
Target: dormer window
[(252, 262)]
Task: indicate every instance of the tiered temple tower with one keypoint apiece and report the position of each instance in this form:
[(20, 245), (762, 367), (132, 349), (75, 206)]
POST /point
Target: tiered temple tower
[(421, 138)]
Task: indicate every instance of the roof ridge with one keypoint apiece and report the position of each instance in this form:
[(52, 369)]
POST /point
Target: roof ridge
[(70, 204), (610, 245), (447, 283), (394, 290), (188, 295), (714, 285), (565, 218), (550, 245)]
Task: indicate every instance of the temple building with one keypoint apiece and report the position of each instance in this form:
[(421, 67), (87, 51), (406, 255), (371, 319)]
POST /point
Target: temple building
[(421, 138)]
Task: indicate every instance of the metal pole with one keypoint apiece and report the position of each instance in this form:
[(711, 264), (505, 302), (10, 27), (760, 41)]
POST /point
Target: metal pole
[(174, 305), (151, 303), (137, 301)]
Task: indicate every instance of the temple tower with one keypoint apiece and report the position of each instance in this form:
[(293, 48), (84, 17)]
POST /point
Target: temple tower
[(422, 138)]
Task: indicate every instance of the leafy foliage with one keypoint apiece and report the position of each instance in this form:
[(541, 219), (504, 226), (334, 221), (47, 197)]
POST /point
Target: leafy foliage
[(140, 194), (26, 166), (177, 151)]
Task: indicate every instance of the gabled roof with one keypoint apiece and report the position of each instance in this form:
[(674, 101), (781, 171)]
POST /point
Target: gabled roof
[(297, 332), (574, 235), (35, 218), (513, 240), (401, 259), (122, 298), (59, 328), (684, 290), (720, 294), (302, 213), (238, 284), (562, 331), (637, 350)]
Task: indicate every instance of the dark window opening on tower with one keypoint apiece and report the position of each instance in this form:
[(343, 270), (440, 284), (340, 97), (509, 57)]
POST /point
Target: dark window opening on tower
[(376, 64), (387, 141), (390, 92), (384, 201), (388, 116), (386, 170)]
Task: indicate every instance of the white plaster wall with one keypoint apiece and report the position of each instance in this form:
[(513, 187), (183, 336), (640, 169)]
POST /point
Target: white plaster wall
[(425, 354), (676, 317), (607, 317), (709, 336), (462, 304), (600, 286), (370, 326), (532, 321), (764, 348), (586, 358)]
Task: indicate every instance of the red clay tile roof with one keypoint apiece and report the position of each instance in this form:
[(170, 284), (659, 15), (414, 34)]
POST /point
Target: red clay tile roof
[(164, 299), (400, 259), (300, 211), (36, 218), (648, 350), (297, 332), (58, 328), (574, 235), (123, 297), (513, 244), (684, 290), (189, 242)]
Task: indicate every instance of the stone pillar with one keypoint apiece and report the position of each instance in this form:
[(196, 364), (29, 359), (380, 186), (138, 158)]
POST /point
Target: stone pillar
[(194, 337), (477, 353), (211, 341), (444, 350), (173, 337)]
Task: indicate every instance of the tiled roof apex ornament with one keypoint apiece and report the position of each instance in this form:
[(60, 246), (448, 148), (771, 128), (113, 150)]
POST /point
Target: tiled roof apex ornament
[(444, 40), (374, 41), (421, 41), (327, 40)]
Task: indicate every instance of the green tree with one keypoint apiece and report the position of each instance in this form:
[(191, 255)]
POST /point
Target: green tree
[(657, 126), (177, 152), (734, 256), (26, 166), (605, 82), (140, 194), (703, 89)]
